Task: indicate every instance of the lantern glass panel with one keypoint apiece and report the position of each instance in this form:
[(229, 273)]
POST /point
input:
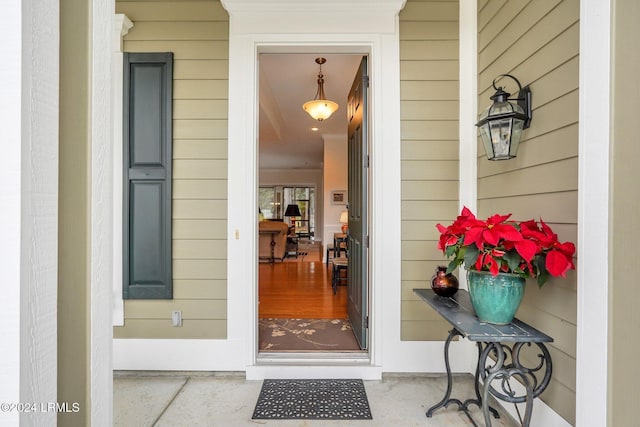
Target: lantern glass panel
[(501, 130)]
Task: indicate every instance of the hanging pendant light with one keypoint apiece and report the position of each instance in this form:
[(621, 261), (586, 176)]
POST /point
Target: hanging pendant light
[(501, 124), (320, 108)]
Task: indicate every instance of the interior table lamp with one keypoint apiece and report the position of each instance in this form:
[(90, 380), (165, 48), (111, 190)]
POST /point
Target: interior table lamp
[(344, 220), (292, 212)]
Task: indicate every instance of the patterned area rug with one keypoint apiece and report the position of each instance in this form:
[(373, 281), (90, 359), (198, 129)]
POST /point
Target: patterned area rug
[(312, 400), (306, 335), (307, 252)]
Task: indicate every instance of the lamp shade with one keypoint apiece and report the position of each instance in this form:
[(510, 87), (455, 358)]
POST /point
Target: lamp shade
[(292, 210), (344, 217), (320, 108)]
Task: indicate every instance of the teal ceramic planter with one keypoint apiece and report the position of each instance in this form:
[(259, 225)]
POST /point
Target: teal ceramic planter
[(495, 298)]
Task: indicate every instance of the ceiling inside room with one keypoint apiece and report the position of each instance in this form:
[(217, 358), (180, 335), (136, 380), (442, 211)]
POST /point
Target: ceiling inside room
[(287, 81)]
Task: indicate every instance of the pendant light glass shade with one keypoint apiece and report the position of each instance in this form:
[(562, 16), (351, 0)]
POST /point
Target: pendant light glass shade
[(320, 108)]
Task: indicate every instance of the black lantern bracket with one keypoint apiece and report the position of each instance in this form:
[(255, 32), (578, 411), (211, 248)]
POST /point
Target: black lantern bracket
[(523, 99)]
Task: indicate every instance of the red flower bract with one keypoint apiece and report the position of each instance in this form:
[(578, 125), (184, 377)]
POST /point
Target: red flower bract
[(527, 248)]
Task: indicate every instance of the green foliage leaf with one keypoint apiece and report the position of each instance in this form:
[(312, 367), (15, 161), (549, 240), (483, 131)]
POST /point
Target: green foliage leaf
[(452, 266), (513, 259), (543, 274), (471, 255)]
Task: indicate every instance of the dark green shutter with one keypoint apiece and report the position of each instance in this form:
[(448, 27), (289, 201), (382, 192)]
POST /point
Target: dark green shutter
[(148, 79)]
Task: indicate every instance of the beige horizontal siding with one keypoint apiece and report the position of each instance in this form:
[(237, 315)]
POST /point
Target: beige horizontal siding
[(435, 129), (436, 170), (435, 110), (210, 149), (200, 89), (435, 90), (419, 230), (197, 33), (162, 329), (429, 93), (422, 70), (172, 10), (194, 288), (552, 208), (200, 109), (423, 330), (199, 189), (417, 30), (200, 129), (540, 34), (559, 176), (186, 54), (191, 309), (487, 12), (557, 52), (508, 12), (199, 229), (419, 190), (199, 249), (426, 150), (429, 50), (199, 209), (173, 31), (428, 11), (199, 169), (538, 42)]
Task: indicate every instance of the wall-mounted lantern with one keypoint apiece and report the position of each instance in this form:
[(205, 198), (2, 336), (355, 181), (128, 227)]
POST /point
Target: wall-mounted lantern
[(501, 124)]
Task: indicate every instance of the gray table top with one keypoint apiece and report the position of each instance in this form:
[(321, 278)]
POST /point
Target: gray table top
[(457, 310)]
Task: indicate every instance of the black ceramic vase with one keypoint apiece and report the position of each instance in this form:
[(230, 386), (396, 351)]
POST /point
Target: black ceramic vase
[(444, 284)]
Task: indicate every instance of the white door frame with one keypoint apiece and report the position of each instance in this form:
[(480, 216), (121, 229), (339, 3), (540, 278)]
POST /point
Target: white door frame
[(273, 27)]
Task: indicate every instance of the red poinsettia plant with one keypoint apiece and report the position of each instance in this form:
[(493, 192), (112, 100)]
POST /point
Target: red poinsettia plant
[(526, 248)]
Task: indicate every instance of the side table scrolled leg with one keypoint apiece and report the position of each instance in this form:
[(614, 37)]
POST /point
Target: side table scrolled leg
[(446, 399)]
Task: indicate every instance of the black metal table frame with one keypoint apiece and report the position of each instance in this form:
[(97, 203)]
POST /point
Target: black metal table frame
[(505, 365), (272, 257)]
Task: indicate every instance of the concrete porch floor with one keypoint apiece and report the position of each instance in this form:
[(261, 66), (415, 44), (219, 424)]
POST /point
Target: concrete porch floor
[(227, 400)]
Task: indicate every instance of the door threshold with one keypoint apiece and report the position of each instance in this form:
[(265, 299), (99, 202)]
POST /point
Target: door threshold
[(315, 357), (355, 365)]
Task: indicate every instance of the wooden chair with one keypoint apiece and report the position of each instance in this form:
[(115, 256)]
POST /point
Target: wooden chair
[(332, 252), (329, 252), (337, 278)]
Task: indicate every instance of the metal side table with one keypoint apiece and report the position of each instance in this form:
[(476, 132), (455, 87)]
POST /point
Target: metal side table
[(492, 340)]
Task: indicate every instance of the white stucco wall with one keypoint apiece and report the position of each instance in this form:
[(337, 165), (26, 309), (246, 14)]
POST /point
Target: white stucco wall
[(335, 178)]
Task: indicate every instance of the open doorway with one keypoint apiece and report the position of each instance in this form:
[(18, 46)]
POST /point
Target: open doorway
[(303, 304)]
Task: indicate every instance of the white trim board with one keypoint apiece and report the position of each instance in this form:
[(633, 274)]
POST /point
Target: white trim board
[(593, 213), (101, 205), (121, 26), (222, 355), (29, 90)]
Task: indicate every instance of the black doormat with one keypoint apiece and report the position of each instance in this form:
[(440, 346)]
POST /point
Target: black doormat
[(312, 400)]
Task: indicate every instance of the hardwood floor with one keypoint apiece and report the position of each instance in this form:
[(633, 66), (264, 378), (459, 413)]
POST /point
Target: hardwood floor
[(299, 290)]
